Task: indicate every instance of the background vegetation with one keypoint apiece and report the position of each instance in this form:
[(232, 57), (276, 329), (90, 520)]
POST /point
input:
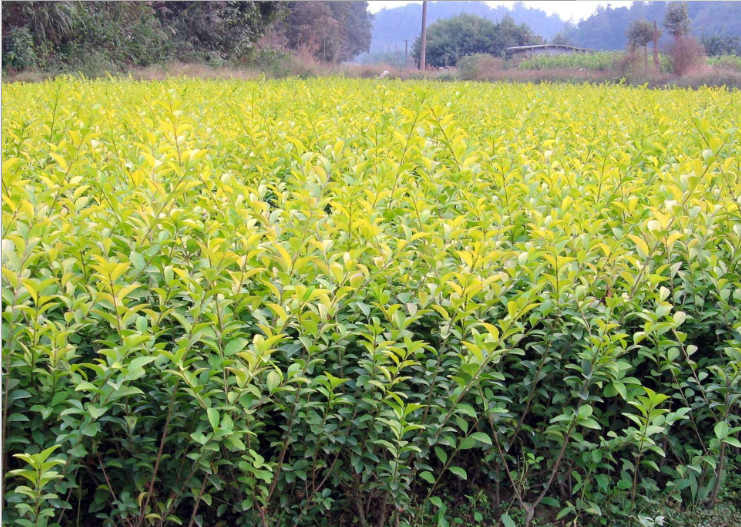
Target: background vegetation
[(303, 39), (450, 40), (604, 30), (95, 37)]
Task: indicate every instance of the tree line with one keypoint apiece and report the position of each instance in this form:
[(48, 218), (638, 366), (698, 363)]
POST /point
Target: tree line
[(716, 23), (66, 34), (463, 35)]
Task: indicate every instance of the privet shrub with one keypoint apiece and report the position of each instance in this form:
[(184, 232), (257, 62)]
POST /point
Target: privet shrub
[(601, 61), (338, 301)]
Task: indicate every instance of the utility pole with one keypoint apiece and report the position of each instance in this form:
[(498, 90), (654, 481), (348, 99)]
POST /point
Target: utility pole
[(406, 53), (423, 47)]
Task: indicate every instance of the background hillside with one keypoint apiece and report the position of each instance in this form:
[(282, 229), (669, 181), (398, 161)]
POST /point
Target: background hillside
[(604, 30)]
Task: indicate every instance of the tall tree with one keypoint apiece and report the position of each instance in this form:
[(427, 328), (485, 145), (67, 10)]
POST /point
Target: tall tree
[(330, 31), (640, 33), (450, 40), (677, 19), (229, 29), (356, 23)]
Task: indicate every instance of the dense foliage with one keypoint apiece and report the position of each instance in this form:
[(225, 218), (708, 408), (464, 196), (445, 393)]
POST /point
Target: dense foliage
[(601, 61), (640, 33), (327, 301), (718, 45), (677, 19), (732, 62), (78, 35), (48, 34), (94, 35), (450, 40), (216, 30), (330, 31)]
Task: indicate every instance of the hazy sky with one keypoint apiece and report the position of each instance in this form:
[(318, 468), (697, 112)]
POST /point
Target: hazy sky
[(565, 9)]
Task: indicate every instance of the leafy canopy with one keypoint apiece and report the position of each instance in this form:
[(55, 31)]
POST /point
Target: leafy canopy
[(451, 39), (640, 33), (677, 19)]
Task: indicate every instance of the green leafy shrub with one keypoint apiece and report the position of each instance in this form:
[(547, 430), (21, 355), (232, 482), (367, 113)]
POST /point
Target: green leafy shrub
[(731, 62), (451, 39), (607, 61), (600, 61), (334, 301), (19, 52)]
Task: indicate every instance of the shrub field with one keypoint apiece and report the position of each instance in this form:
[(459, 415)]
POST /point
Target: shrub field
[(600, 61), (347, 302), (603, 61)]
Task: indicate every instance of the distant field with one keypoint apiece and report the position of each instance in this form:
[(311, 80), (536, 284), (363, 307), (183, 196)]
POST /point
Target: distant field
[(356, 302), (727, 61), (599, 61), (611, 60)]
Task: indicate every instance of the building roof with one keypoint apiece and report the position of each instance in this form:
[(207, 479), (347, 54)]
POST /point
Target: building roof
[(539, 46)]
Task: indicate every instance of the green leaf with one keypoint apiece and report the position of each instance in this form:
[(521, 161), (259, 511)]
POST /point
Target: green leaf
[(234, 347), (466, 409), (481, 437), (96, 412), (721, 429), (590, 423), (427, 476), (467, 443), (213, 417), (507, 521), (274, 380), (458, 471)]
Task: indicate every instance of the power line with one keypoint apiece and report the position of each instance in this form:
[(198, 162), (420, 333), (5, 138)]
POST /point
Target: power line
[(400, 19)]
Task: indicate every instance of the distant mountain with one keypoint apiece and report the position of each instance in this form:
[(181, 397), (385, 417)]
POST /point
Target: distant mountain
[(392, 26), (605, 29)]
